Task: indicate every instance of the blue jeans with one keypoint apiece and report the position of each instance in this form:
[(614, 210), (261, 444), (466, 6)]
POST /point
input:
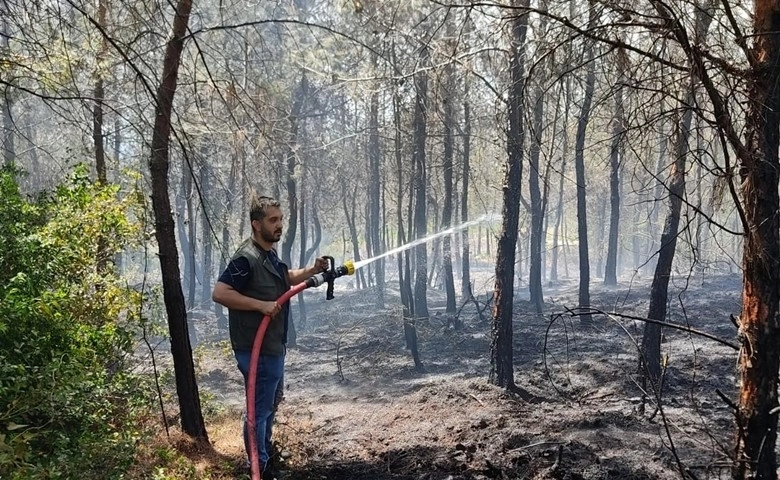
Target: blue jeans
[(270, 375)]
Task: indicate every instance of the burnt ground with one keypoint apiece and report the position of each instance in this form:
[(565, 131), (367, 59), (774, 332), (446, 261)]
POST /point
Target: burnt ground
[(356, 408)]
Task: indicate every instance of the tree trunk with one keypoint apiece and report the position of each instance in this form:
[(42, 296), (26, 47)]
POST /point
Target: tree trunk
[(192, 232), (579, 166), (618, 129), (374, 195), (99, 93), (446, 217), (302, 234), (759, 329), (420, 186), (650, 360), (207, 272), (9, 152), (315, 244), (184, 368), (350, 217), (290, 155), (465, 286), (566, 84), (501, 347), (537, 213)]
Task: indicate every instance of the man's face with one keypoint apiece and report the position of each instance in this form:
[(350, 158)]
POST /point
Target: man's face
[(270, 227)]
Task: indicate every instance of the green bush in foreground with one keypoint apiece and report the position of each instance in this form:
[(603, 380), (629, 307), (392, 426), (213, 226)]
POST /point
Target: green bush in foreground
[(68, 407)]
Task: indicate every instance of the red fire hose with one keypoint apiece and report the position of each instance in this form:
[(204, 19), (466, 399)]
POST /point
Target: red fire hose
[(327, 276), (254, 461)]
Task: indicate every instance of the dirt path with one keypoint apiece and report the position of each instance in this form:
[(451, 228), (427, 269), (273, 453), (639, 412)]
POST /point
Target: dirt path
[(355, 407)]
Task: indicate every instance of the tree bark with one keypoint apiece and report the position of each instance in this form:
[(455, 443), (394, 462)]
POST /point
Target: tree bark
[(650, 360), (9, 151), (184, 369), (206, 233), (374, 195), (501, 347), (579, 166), (420, 186), (618, 129), (291, 159), (446, 217), (465, 287), (759, 325)]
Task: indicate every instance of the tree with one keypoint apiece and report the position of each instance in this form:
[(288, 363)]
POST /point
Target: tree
[(420, 185), (501, 350), (650, 361), (184, 368), (579, 166), (615, 157), (446, 221)]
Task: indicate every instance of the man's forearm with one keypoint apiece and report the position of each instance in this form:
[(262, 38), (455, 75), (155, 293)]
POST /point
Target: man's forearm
[(232, 299), (300, 274)]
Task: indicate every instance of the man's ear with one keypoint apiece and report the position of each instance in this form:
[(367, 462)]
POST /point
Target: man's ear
[(255, 224)]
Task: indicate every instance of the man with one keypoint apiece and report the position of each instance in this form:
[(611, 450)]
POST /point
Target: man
[(249, 286)]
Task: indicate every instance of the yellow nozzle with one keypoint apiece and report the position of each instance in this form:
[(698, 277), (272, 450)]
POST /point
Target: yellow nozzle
[(350, 266)]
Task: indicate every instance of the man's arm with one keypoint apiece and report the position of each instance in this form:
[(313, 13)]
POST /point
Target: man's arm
[(231, 298), (226, 291), (301, 274)]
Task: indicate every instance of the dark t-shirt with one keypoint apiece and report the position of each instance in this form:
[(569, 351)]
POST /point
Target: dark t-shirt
[(236, 274)]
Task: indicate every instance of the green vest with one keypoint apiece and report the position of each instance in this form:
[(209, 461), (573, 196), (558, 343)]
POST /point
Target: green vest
[(264, 284)]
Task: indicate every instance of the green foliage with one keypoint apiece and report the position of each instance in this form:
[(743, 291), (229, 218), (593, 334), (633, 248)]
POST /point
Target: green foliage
[(68, 407)]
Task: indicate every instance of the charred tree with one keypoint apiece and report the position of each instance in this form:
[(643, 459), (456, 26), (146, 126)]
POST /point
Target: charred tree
[(650, 360), (466, 292), (420, 181), (579, 166), (299, 96), (374, 195), (186, 385), (615, 158), (501, 347), (446, 217), (207, 271)]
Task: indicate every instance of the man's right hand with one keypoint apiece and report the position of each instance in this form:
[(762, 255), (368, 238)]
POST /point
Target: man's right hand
[(269, 308)]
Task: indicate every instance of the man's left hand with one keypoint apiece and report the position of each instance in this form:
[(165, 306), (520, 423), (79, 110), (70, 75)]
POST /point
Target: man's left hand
[(320, 264)]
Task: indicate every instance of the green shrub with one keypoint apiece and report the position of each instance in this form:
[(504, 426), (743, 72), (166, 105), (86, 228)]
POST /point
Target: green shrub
[(68, 407)]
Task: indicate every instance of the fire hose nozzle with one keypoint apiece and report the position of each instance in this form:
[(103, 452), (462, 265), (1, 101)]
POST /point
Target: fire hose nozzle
[(333, 272)]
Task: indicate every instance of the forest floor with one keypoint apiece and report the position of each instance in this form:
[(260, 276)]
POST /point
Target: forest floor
[(356, 408)]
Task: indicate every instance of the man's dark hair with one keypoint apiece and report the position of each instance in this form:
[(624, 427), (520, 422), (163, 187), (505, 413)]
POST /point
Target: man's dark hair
[(258, 205)]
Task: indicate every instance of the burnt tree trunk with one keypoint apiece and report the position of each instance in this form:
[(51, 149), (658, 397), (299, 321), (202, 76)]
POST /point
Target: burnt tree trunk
[(446, 216), (207, 271), (465, 287), (759, 357), (618, 129), (181, 350), (579, 166), (420, 186), (295, 119), (374, 196), (501, 349), (650, 360), (192, 232)]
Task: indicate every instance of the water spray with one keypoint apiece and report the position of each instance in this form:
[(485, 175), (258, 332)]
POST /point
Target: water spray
[(331, 273), (484, 218)]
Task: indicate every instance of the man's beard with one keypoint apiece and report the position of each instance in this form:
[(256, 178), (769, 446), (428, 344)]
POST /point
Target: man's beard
[(269, 236)]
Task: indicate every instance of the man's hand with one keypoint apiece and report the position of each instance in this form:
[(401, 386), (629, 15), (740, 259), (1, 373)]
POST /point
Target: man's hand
[(320, 265), (269, 308)]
